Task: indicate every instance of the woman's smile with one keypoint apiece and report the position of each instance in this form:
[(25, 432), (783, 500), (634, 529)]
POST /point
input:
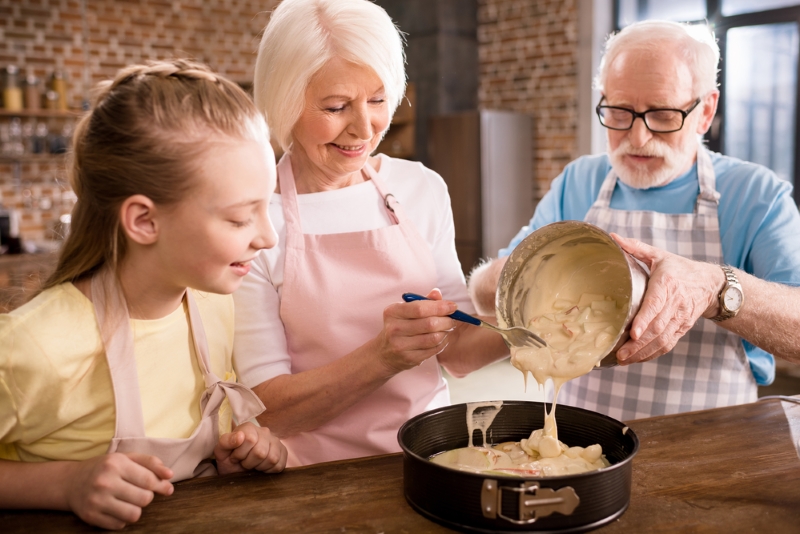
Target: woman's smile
[(350, 151)]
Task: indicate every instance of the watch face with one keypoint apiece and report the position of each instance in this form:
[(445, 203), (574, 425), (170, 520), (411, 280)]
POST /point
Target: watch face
[(733, 298)]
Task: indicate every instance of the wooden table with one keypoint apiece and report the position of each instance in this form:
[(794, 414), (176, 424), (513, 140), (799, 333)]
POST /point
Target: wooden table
[(725, 470)]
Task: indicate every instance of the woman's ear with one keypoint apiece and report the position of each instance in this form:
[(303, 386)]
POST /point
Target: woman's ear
[(137, 216)]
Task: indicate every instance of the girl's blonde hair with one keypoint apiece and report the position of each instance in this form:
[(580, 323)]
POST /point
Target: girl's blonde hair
[(303, 35), (146, 134)]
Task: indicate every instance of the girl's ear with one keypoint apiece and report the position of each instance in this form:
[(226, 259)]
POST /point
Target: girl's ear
[(137, 216)]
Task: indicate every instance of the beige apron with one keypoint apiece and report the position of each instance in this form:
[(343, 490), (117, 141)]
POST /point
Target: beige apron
[(708, 367), (187, 457), (335, 289)]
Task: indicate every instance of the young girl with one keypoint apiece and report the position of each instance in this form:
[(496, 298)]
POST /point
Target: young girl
[(110, 377)]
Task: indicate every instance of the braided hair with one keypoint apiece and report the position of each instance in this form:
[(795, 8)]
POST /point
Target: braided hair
[(146, 134)]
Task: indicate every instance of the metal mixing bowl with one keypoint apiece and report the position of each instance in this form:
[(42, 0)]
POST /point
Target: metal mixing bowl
[(540, 258)]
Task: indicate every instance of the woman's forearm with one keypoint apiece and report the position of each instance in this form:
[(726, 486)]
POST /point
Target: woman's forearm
[(302, 402)]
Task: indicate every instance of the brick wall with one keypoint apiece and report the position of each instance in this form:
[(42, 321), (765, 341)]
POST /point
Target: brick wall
[(527, 53), (527, 63), (41, 35)]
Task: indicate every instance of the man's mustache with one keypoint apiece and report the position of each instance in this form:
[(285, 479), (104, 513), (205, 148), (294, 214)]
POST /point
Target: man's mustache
[(654, 150)]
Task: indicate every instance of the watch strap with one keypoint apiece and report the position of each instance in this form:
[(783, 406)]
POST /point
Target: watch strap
[(730, 280)]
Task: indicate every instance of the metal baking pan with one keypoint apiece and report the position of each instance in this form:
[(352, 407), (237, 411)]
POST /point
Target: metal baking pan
[(495, 503)]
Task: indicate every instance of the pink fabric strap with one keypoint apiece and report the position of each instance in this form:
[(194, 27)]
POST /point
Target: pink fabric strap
[(114, 323)]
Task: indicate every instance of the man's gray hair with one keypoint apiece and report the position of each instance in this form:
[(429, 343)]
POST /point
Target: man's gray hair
[(695, 43)]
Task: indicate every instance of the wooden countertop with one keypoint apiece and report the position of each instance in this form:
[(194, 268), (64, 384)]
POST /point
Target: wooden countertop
[(725, 470)]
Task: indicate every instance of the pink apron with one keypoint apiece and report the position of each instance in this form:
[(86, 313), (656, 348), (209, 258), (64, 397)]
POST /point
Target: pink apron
[(187, 457), (335, 289)]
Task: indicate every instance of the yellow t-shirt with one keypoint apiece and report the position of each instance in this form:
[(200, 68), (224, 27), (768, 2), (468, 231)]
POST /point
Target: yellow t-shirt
[(56, 397)]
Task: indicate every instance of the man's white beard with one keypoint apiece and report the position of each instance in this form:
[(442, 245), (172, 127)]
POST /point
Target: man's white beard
[(674, 162)]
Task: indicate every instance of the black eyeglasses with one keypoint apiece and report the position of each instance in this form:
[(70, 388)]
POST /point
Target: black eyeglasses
[(656, 120)]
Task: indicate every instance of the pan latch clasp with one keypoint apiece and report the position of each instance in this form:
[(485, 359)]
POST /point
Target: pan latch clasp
[(534, 501)]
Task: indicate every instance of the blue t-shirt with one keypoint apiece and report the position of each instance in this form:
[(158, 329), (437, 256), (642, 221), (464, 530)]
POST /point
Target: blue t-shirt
[(758, 219)]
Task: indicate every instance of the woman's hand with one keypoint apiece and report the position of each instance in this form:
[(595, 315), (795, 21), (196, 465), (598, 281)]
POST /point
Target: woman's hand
[(679, 292), (250, 447), (414, 331), (110, 491)]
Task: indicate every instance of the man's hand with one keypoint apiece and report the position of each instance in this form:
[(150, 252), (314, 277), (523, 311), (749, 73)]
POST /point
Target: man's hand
[(109, 491), (250, 447), (679, 292)]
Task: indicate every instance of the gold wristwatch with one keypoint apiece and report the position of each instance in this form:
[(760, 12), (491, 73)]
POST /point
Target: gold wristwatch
[(731, 298)]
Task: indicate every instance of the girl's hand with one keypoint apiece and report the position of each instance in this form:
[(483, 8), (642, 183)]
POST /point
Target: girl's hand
[(250, 447), (109, 491), (414, 331)]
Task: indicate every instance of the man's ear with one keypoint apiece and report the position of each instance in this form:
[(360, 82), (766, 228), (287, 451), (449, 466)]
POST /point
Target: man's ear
[(710, 102), (137, 216)]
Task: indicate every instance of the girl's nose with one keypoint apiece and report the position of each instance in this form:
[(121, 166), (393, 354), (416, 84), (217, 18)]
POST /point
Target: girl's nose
[(266, 237)]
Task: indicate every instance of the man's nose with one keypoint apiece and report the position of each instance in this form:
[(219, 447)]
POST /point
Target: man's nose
[(639, 135)]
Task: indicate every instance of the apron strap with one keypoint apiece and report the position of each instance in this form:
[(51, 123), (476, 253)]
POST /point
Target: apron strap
[(200, 341), (291, 211), (244, 403), (115, 331), (603, 199), (393, 208), (113, 320), (708, 199)]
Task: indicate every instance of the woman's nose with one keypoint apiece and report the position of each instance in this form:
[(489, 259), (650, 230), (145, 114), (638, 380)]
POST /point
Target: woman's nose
[(361, 125)]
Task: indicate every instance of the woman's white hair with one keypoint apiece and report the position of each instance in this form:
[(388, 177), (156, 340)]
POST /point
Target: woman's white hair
[(695, 43), (303, 35)]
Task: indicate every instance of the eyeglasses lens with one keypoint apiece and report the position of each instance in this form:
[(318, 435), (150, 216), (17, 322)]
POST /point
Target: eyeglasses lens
[(663, 121), (656, 120)]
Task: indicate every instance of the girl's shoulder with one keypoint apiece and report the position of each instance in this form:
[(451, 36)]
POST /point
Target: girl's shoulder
[(57, 325), (50, 308)]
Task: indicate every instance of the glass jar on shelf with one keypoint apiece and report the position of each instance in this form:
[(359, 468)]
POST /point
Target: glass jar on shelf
[(12, 92), (14, 148), (33, 94), (40, 143), (51, 100), (58, 83)]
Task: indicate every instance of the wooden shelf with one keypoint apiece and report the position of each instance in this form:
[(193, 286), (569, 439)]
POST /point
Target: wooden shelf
[(43, 113), (33, 158)]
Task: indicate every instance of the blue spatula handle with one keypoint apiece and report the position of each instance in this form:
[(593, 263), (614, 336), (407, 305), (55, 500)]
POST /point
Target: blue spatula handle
[(457, 315)]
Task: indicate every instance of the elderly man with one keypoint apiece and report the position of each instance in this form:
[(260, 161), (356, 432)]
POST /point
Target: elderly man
[(721, 236)]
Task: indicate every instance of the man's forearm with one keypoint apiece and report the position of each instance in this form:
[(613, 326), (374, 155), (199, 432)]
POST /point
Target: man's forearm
[(769, 318), (482, 285)]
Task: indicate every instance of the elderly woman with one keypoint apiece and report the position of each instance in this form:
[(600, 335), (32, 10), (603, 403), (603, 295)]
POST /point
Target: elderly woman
[(321, 335)]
